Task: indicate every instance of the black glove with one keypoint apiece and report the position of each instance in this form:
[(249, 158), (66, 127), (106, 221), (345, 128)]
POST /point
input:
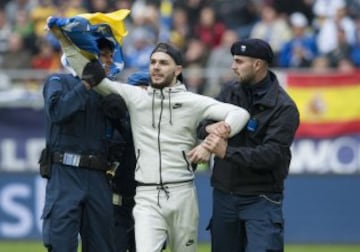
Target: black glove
[(93, 73), (114, 106)]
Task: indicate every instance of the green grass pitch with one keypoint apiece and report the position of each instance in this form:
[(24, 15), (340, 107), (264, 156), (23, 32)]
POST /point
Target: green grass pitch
[(29, 246)]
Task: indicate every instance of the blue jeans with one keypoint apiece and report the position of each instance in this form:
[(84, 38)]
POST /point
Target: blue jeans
[(242, 223)]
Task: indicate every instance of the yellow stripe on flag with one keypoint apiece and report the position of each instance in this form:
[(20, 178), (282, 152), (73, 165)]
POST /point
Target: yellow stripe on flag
[(114, 19), (327, 104)]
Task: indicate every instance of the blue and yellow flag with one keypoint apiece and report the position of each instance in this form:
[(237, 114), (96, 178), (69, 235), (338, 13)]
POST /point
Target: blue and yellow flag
[(84, 29)]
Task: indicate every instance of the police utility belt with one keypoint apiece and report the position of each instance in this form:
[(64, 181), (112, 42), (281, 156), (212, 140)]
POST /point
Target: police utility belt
[(77, 160)]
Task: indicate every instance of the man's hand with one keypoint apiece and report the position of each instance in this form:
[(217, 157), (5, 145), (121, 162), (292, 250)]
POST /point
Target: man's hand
[(221, 129), (93, 73), (199, 154), (216, 145)]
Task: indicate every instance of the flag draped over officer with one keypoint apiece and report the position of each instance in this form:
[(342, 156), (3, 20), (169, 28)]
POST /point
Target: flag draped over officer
[(84, 29)]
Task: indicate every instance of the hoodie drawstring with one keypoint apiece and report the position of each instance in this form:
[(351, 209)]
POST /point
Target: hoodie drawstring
[(164, 188), (153, 110), (170, 109)]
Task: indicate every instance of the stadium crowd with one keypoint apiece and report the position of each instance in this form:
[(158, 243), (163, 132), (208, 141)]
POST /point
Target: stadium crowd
[(316, 34)]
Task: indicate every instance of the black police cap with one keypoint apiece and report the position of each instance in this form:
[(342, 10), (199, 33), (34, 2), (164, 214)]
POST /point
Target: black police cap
[(254, 48)]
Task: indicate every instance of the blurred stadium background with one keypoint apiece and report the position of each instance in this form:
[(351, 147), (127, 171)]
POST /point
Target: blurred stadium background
[(322, 75)]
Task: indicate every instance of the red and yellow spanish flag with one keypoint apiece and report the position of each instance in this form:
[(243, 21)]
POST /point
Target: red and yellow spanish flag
[(329, 104)]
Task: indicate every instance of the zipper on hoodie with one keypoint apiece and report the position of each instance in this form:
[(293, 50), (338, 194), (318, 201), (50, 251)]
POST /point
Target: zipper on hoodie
[(162, 187), (158, 136)]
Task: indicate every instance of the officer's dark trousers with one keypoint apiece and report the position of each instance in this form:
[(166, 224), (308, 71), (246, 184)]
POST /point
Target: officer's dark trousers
[(124, 229), (78, 200), (246, 223)]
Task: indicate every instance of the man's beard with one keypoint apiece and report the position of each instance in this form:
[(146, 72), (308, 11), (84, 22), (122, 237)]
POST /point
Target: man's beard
[(247, 80), (165, 83)]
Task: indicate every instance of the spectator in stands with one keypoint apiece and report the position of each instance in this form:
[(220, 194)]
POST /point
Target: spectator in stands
[(145, 16), (5, 31), (166, 11), (250, 168), (239, 16), (299, 51), (219, 64), (329, 21), (25, 28), (208, 29), (122, 4), (138, 46), (47, 57), (353, 7), (347, 23), (155, 23), (327, 8), (71, 8), (12, 8), (99, 6), (272, 28), (303, 6), (23, 24), (320, 64), (39, 14), (355, 50), (196, 53), (17, 56), (192, 8), (345, 65), (180, 31), (341, 51), (195, 78)]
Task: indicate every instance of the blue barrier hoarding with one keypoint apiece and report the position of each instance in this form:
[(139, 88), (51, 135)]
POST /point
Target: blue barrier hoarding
[(21, 203), (317, 208)]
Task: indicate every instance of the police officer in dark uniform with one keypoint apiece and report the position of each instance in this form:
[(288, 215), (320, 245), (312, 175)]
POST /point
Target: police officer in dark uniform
[(78, 194), (123, 158), (250, 168)]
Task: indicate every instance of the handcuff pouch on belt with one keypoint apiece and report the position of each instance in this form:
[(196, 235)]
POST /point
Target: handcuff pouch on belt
[(45, 163)]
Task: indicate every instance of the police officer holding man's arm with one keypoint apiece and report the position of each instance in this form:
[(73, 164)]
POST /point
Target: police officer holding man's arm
[(250, 167)]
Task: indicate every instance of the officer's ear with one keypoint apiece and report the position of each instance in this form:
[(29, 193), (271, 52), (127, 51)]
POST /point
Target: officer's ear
[(259, 64)]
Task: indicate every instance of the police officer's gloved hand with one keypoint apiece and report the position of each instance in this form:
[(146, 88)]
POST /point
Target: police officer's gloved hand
[(114, 106), (93, 73)]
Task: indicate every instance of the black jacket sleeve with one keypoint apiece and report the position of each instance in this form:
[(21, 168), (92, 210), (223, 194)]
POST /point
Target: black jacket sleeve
[(274, 149)]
